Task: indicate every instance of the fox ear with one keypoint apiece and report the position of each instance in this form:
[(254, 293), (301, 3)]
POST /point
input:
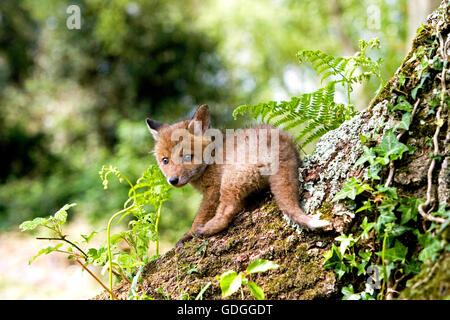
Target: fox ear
[(201, 116), (154, 126)]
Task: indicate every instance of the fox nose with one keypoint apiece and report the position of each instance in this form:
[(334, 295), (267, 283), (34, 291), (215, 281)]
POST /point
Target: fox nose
[(173, 181)]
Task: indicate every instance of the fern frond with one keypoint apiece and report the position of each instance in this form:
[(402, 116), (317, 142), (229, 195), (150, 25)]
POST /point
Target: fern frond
[(324, 64), (314, 113)]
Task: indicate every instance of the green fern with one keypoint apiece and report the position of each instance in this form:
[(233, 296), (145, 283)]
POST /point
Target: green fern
[(317, 113)]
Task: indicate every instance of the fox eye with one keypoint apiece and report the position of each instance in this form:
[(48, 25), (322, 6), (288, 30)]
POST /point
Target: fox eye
[(165, 160), (187, 158)]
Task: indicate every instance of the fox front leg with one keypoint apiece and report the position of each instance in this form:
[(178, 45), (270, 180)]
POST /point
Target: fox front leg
[(224, 215), (206, 212)]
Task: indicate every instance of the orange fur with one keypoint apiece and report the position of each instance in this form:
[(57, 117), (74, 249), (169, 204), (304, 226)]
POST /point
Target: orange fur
[(225, 185)]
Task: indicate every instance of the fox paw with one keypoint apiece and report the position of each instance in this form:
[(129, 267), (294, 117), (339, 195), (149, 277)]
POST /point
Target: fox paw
[(182, 240), (201, 231)]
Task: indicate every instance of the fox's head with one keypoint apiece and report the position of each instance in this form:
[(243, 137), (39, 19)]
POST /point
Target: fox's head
[(179, 147)]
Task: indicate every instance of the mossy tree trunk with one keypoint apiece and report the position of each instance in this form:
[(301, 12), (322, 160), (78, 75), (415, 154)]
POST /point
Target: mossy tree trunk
[(262, 231)]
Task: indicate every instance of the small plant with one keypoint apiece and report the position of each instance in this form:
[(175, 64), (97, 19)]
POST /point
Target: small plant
[(317, 113), (230, 281), (145, 201)]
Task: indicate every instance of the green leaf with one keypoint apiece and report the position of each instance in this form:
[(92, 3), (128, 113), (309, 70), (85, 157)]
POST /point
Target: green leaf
[(351, 188), (345, 242), (230, 282), (368, 156), (409, 209), (401, 79), (431, 246), (367, 206), (397, 230), (334, 261), (390, 147), (373, 172), (388, 192), (45, 251), (406, 121), (443, 213), (419, 86), (412, 266), (402, 105), (261, 265), (349, 294), (61, 214), (88, 238), (387, 215), (97, 257), (256, 290), (127, 261), (363, 139), (30, 225), (132, 292), (396, 253), (366, 226)]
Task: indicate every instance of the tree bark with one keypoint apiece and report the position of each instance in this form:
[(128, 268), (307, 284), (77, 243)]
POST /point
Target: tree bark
[(262, 231)]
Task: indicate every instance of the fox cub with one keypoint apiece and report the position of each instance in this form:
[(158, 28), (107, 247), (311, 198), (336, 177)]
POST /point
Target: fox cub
[(191, 152)]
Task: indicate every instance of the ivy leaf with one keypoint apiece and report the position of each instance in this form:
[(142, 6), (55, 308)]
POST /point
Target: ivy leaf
[(409, 209), (334, 261), (230, 282), (397, 230), (367, 205), (366, 226), (402, 105), (363, 139), (431, 246), (368, 156), (384, 218), (373, 172), (419, 86), (256, 290), (349, 293), (443, 213), (346, 241), (396, 253), (390, 147), (351, 189), (261, 265), (406, 121), (401, 79), (388, 192), (412, 266)]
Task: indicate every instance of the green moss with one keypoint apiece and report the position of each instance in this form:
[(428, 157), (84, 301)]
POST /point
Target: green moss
[(325, 210), (301, 252), (432, 283)]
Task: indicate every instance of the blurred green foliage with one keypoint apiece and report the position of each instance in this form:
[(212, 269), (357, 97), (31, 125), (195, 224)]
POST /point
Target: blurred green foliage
[(72, 101)]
